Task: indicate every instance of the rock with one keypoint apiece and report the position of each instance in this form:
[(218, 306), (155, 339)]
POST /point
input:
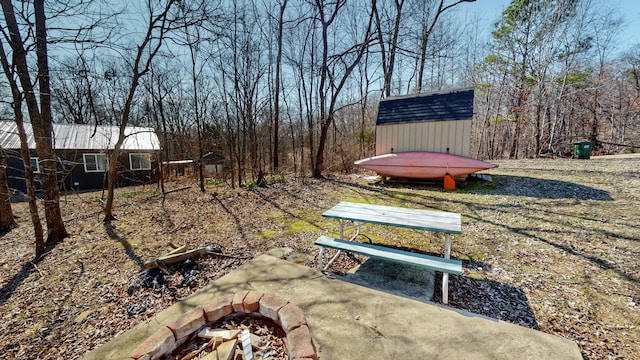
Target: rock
[(280, 253), (135, 309)]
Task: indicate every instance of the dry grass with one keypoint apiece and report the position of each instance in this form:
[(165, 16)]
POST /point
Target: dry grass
[(551, 244)]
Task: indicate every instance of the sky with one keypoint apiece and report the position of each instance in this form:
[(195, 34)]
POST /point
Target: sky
[(489, 11)]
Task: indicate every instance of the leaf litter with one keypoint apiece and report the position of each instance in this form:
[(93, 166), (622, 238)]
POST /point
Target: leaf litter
[(551, 244)]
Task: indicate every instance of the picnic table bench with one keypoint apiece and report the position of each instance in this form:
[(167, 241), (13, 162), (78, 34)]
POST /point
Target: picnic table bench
[(427, 220)]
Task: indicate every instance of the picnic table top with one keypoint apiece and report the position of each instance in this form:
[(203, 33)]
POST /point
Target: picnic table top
[(429, 220)]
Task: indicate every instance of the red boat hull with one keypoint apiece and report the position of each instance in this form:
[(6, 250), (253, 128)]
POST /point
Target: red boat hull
[(422, 165)]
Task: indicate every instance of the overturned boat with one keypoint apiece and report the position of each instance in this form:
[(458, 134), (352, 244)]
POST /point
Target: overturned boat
[(423, 165)]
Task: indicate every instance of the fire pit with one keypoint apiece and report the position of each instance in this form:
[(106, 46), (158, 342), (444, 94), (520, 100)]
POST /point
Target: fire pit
[(266, 308)]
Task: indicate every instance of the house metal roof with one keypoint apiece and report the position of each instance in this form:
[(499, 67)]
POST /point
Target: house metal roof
[(75, 136), (451, 105)]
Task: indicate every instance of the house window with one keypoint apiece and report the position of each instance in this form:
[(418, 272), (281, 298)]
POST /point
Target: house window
[(141, 161), (95, 162), (35, 165)]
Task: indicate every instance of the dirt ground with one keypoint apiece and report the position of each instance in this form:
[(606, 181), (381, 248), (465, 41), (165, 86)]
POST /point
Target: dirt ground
[(549, 244)]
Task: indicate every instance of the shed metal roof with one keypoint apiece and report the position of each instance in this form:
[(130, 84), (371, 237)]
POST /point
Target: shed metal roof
[(75, 136), (451, 105)]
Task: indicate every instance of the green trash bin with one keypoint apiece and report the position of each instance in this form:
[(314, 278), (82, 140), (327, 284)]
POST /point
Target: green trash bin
[(582, 149)]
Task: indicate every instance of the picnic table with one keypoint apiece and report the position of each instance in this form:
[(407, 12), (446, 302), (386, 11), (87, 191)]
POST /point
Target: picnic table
[(419, 219)]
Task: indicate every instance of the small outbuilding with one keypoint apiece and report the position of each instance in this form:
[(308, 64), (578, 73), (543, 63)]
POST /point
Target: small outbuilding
[(83, 153), (214, 164), (436, 122)]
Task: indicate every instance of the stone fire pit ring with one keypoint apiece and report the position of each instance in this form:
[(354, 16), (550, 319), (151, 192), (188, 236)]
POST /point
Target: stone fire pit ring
[(285, 314)]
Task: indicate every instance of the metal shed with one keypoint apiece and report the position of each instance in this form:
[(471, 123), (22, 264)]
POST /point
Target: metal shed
[(436, 122)]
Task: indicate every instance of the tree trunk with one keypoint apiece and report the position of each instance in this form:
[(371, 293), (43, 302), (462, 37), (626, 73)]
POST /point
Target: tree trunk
[(387, 67), (113, 163), (319, 164), (6, 213), (24, 151), (276, 109), (40, 116), (111, 182), (198, 112), (538, 130), (157, 100), (38, 231), (200, 158), (333, 90), (43, 130), (50, 192), (146, 51), (424, 40), (426, 33)]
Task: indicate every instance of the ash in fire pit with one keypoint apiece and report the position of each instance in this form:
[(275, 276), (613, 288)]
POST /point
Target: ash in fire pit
[(174, 277)]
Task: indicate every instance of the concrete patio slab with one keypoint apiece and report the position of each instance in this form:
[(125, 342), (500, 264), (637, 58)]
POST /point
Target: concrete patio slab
[(349, 321)]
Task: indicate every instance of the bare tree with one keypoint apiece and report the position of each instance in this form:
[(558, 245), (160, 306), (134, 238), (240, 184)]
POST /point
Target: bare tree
[(241, 74), (40, 114), (365, 133), (301, 56), (162, 18), (607, 26), (428, 24), (193, 43), (335, 70), (158, 86), (16, 105), (276, 100), (76, 88), (388, 48)]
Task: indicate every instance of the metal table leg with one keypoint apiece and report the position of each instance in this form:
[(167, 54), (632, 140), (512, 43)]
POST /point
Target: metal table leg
[(341, 238), (445, 276)]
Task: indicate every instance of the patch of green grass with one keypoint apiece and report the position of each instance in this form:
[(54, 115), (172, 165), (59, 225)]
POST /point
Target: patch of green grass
[(134, 193), (631, 149), (478, 256), (473, 185), (476, 275), (213, 182), (4, 309), (96, 200), (44, 310), (250, 185), (268, 234), (268, 180), (300, 221), (126, 195), (134, 242), (387, 198), (275, 179), (23, 315), (299, 226), (594, 297), (465, 257)]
